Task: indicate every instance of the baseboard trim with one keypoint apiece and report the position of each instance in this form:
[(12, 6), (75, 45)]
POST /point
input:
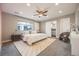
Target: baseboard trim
[(6, 41)]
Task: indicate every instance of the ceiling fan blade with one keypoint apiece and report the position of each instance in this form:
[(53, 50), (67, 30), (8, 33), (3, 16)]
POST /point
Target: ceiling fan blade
[(35, 15), (38, 11), (45, 11), (44, 15)]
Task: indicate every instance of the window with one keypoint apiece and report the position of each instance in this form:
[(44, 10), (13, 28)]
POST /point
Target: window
[(22, 26)]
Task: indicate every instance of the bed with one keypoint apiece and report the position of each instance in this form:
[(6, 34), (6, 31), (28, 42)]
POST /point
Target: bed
[(32, 38)]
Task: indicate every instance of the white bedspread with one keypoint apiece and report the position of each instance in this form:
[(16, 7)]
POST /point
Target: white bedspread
[(31, 38)]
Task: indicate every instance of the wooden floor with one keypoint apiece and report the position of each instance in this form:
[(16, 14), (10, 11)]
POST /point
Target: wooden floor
[(35, 49)]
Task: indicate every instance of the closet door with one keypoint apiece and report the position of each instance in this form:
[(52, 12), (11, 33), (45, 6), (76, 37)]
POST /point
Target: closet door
[(48, 28), (65, 25), (36, 27)]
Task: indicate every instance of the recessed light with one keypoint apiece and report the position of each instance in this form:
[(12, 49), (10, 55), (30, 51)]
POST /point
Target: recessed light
[(28, 4), (57, 4), (60, 11), (19, 12)]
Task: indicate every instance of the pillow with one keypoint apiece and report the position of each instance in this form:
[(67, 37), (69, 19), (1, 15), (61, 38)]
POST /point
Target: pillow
[(33, 32), (26, 32), (18, 32)]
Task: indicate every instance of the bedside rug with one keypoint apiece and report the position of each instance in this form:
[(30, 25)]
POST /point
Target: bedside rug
[(35, 49)]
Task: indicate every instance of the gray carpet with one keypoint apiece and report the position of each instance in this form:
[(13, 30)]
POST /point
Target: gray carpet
[(9, 50), (0, 50), (58, 48)]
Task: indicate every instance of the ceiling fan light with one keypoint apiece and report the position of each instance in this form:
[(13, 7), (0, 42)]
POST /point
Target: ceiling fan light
[(57, 4), (40, 15), (28, 4), (60, 11), (18, 12)]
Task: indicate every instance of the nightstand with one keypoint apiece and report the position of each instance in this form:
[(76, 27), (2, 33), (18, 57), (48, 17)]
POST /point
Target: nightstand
[(16, 37)]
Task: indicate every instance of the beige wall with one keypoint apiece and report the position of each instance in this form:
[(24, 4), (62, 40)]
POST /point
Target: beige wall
[(75, 37), (37, 26), (42, 27), (0, 31), (72, 20), (77, 16), (9, 23)]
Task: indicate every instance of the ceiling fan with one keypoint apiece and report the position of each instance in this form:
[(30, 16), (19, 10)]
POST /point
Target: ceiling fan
[(41, 12)]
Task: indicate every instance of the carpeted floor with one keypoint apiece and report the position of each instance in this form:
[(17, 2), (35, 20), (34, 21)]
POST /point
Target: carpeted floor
[(9, 50), (58, 48), (35, 49)]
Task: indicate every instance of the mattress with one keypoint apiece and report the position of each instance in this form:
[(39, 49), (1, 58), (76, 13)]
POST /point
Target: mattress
[(31, 38)]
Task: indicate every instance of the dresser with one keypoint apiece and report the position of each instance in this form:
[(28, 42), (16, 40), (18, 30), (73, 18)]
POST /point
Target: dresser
[(74, 39)]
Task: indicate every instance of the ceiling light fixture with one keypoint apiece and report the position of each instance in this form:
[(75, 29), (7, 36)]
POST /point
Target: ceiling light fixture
[(28, 4), (41, 12), (60, 11), (57, 4), (18, 12)]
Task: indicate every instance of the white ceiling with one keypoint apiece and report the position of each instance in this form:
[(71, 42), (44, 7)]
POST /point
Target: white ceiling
[(28, 12)]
